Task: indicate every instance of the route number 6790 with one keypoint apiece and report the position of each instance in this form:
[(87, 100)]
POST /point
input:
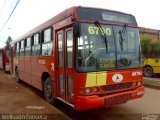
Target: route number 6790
[(96, 30)]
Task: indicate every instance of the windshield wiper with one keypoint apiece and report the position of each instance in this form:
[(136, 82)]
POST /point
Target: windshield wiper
[(102, 35), (122, 36)]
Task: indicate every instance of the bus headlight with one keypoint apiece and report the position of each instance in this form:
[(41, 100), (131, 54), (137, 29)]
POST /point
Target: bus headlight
[(139, 83), (96, 89), (87, 90)]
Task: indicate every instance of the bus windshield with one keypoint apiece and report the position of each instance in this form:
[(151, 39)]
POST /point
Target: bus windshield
[(119, 50)]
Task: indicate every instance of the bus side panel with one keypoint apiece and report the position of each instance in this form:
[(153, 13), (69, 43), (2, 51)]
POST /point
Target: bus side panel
[(11, 60), (28, 70), (39, 66), (156, 67), (35, 77), (21, 68)]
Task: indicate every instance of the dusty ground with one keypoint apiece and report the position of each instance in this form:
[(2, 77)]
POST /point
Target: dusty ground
[(24, 99), (153, 82)]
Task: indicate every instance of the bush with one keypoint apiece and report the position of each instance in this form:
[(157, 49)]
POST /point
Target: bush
[(150, 49)]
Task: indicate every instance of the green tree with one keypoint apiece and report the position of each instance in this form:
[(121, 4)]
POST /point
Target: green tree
[(150, 49), (146, 47), (9, 39), (156, 49)]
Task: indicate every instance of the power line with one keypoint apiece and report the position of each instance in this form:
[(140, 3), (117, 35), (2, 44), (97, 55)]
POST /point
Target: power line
[(10, 15)]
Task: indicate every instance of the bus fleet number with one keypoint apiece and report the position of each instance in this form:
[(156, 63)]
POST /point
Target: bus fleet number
[(96, 30)]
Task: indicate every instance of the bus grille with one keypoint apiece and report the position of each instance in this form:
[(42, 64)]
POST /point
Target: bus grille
[(118, 99), (116, 86)]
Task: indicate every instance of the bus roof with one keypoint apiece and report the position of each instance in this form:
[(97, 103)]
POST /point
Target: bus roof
[(83, 13)]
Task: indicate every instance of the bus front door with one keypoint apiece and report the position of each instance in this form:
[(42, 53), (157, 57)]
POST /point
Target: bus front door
[(65, 65)]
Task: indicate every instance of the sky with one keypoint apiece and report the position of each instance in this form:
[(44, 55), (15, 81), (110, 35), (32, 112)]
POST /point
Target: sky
[(30, 13)]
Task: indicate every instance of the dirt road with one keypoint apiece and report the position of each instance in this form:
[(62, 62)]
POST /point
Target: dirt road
[(24, 99)]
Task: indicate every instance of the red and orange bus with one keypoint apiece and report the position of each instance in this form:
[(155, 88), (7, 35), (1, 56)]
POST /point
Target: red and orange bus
[(4, 59), (85, 57)]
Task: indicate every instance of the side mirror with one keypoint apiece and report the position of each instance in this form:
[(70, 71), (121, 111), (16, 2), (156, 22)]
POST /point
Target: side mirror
[(76, 29)]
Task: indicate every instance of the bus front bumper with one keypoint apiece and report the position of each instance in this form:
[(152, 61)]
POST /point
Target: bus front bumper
[(94, 101)]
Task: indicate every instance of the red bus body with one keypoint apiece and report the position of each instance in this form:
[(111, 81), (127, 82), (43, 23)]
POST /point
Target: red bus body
[(4, 60), (11, 58), (81, 90)]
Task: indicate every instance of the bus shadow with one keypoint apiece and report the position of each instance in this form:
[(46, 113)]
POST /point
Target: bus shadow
[(78, 115), (156, 76), (102, 113)]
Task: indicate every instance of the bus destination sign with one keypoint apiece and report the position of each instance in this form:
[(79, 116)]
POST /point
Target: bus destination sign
[(115, 17), (105, 15)]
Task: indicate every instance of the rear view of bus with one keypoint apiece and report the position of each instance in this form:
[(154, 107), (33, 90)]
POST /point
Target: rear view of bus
[(108, 58)]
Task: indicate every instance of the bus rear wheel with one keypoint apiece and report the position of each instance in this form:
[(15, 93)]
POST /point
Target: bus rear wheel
[(49, 91), (148, 71)]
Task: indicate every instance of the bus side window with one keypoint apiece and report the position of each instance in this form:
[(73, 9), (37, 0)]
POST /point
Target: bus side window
[(36, 48), (69, 48), (28, 46), (17, 49), (22, 48), (47, 42)]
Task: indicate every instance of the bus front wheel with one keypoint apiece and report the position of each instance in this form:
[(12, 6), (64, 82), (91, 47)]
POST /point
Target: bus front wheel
[(148, 71), (49, 91)]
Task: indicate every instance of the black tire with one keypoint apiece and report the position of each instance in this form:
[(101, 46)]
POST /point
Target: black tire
[(49, 91), (17, 76), (148, 71)]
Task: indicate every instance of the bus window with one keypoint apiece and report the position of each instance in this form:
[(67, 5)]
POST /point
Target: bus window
[(60, 49), (127, 46), (69, 47), (47, 35), (28, 47), (93, 52), (22, 48), (47, 44), (36, 48), (17, 49)]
